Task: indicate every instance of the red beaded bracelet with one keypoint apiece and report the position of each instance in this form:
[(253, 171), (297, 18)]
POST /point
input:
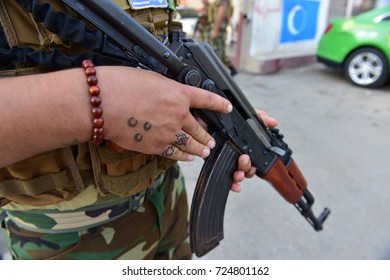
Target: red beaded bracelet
[(96, 101)]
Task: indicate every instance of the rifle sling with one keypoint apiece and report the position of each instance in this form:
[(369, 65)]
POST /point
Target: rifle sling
[(69, 29)]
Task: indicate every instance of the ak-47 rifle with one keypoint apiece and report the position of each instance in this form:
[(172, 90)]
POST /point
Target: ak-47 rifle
[(236, 133)]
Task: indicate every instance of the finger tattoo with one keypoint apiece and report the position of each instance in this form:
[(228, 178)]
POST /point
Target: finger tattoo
[(169, 151), (182, 139)]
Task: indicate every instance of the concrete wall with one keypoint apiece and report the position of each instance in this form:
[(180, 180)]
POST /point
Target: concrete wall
[(245, 62), (239, 42)]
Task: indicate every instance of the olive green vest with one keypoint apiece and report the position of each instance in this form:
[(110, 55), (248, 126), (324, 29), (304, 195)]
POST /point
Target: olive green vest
[(61, 174)]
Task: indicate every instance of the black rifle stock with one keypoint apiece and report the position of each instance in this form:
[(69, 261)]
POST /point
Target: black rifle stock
[(240, 132)]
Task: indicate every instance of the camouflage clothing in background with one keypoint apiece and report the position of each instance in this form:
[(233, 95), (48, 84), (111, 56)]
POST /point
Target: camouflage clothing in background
[(206, 25), (136, 235)]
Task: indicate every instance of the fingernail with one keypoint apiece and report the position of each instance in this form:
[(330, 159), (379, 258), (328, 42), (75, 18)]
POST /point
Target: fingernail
[(206, 152), (190, 157), (211, 144), (230, 108)]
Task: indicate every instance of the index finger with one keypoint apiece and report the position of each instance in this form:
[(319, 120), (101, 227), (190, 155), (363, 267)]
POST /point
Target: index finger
[(204, 99)]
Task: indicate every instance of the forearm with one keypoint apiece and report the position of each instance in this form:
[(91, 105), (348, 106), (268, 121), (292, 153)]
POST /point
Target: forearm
[(142, 111), (43, 112), (221, 14)]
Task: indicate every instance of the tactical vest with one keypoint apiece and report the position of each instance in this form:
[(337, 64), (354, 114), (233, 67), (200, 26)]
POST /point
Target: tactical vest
[(61, 174)]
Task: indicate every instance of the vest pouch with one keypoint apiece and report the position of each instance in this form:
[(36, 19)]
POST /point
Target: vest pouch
[(125, 173), (42, 180), (22, 29)]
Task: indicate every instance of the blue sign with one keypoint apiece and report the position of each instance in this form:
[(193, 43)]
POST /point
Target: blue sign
[(299, 20), (142, 4)]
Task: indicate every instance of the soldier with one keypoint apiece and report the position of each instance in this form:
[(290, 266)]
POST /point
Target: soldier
[(213, 24), (80, 183)]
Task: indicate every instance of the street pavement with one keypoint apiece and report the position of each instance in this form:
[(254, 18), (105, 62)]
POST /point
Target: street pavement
[(339, 135)]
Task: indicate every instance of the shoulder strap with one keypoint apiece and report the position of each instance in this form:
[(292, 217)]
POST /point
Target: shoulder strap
[(8, 30), (63, 24), (66, 27), (3, 39)]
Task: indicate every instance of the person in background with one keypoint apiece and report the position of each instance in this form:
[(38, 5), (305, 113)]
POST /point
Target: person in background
[(213, 23)]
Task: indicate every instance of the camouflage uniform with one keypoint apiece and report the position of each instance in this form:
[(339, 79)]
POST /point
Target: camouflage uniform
[(156, 230), (206, 25), (87, 201)]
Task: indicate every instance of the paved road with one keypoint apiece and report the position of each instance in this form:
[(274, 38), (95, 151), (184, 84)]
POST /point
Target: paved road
[(340, 137)]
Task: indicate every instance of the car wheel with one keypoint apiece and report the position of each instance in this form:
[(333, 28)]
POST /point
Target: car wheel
[(366, 67)]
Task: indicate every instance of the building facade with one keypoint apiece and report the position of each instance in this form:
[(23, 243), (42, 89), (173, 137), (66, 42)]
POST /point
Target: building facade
[(266, 36)]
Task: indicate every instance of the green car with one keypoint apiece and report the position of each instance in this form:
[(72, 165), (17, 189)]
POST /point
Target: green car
[(360, 47)]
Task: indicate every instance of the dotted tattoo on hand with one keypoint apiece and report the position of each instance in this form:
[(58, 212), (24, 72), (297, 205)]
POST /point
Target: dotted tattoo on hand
[(147, 126), (132, 122), (138, 137)]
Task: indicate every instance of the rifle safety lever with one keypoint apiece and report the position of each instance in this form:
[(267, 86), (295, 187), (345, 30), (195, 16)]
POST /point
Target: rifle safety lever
[(304, 206)]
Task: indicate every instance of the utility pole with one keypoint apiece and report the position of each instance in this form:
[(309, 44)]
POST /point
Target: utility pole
[(349, 8)]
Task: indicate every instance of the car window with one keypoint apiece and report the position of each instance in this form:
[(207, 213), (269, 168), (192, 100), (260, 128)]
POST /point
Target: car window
[(386, 18), (383, 17)]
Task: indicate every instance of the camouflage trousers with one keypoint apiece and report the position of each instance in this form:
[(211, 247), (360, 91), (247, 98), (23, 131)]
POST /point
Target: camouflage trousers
[(156, 230), (218, 44)]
